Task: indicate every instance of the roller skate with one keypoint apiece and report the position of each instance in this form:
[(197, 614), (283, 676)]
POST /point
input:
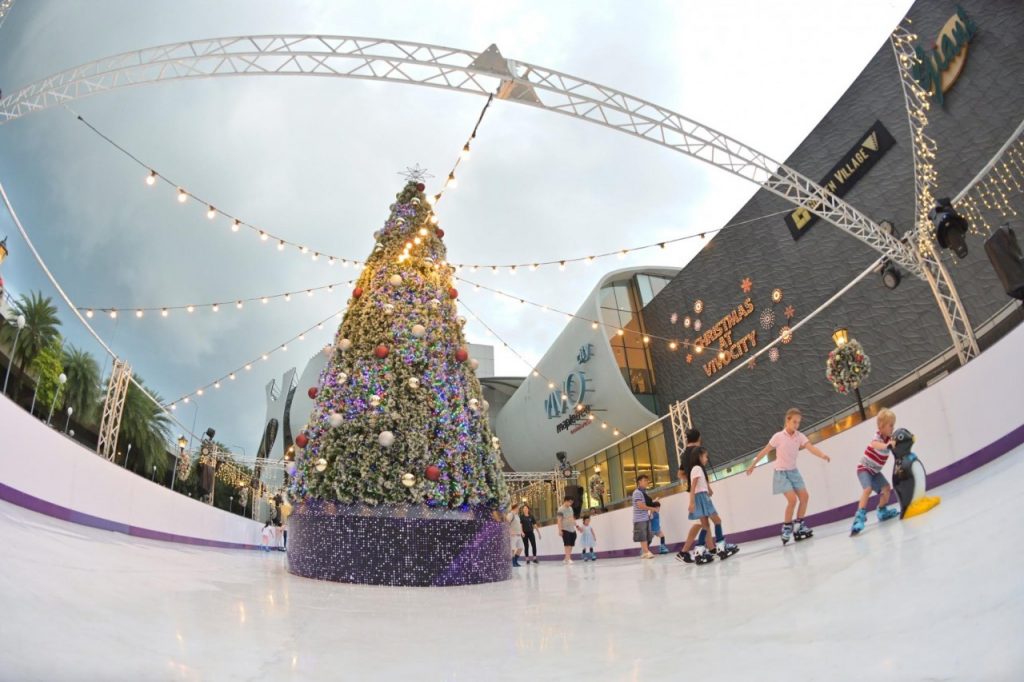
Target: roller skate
[(802, 532), (685, 557), (858, 522), (726, 550), (705, 557), (787, 532), (886, 513)]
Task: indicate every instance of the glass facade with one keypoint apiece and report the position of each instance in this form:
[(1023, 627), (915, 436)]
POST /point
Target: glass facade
[(621, 303), (618, 467)]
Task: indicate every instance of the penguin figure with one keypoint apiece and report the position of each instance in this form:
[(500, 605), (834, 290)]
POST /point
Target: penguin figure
[(908, 476)]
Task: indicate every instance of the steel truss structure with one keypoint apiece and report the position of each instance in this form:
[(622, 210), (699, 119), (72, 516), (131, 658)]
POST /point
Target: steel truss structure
[(481, 74), (113, 408), (5, 9), (920, 239), (679, 416)]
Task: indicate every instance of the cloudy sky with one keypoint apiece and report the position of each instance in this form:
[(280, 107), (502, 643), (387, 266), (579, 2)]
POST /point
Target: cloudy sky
[(314, 160)]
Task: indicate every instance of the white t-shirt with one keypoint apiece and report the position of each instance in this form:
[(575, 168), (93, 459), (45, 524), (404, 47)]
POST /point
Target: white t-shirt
[(268, 533), (698, 482)]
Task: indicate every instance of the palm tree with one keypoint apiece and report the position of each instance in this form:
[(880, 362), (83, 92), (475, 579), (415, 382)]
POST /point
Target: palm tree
[(147, 427), (40, 330), (82, 390)]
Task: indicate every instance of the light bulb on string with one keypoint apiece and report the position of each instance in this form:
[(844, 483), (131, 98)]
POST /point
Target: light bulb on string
[(561, 266), (287, 298), (304, 250), (452, 182), (164, 313), (199, 392), (280, 245), (316, 255), (190, 308), (89, 314), (113, 314), (211, 213), (238, 305), (182, 196), (138, 313), (231, 376), (464, 154), (215, 307), (151, 178), (235, 225), (263, 236), (263, 300)]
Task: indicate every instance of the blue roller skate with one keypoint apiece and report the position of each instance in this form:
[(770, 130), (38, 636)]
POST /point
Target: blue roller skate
[(886, 513), (858, 522), (787, 532)]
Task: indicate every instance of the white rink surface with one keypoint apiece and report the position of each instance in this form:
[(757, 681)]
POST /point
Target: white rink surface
[(938, 597)]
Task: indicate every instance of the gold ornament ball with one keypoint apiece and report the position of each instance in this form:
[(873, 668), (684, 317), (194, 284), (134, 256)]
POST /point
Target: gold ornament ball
[(321, 465), (374, 400), (414, 382), (395, 280), (408, 480)]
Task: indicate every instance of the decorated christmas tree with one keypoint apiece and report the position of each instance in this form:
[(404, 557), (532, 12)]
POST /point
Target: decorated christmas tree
[(400, 417)]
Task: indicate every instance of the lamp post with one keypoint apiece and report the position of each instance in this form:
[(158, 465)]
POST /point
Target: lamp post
[(63, 379), (20, 322), (182, 442), (67, 423), (231, 504), (125, 464), (841, 336), (153, 477)]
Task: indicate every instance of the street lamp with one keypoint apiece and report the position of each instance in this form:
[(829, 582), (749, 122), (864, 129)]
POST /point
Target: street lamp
[(153, 477), (182, 442), (231, 504), (125, 465), (63, 379), (840, 336), (20, 322), (71, 411)]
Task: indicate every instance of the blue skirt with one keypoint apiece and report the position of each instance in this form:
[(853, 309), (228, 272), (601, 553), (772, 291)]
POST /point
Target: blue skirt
[(702, 506)]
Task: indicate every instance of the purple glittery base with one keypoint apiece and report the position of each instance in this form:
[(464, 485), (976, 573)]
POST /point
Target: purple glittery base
[(397, 545)]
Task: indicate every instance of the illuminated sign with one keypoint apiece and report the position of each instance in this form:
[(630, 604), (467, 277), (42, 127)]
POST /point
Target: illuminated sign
[(844, 175), (572, 391), (722, 332), (936, 70)]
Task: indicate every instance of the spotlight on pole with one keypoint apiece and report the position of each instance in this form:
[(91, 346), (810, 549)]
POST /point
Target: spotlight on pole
[(950, 227), (890, 274)]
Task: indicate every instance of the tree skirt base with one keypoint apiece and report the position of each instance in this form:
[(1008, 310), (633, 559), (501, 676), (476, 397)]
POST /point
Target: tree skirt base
[(411, 545)]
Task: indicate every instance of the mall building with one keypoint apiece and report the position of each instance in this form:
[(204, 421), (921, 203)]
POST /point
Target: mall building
[(774, 264)]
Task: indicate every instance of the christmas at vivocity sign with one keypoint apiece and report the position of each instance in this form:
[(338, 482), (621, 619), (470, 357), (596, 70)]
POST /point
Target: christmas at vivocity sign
[(844, 175), (722, 332), (565, 398), (939, 68)]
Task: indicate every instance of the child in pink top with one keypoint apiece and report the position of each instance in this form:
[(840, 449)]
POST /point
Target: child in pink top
[(787, 480)]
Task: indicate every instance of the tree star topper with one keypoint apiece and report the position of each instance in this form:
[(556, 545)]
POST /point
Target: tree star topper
[(415, 173)]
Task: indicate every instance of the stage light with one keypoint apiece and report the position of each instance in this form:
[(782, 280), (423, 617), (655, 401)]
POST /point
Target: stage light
[(890, 274), (950, 227)]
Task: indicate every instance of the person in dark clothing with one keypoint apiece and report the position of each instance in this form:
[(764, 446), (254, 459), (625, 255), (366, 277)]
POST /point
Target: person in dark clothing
[(529, 539), (692, 440)]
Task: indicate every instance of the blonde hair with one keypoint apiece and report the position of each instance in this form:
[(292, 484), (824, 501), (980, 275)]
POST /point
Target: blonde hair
[(886, 416), (793, 412)]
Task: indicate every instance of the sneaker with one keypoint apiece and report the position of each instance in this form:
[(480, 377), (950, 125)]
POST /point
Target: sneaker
[(685, 557), (646, 555)]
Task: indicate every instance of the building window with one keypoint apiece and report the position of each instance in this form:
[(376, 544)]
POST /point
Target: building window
[(620, 306)]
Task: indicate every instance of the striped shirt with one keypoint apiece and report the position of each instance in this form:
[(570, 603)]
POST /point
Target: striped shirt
[(639, 514), (872, 461)]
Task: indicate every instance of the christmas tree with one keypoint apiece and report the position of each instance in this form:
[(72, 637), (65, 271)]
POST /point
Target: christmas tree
[(399, 415)]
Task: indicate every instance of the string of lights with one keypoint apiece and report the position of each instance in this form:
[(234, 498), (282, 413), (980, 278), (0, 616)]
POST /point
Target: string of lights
[(450, 181), (236, 223), (645, 338), (994, 192), (114, 311), (232, 375), (534, 372)]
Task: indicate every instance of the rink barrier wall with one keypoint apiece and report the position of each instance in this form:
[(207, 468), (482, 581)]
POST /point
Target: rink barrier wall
[(969, 418), (42, 470), (49, 473)]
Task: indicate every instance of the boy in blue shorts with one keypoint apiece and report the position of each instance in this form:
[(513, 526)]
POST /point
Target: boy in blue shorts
[(788, 481), (869, 472)]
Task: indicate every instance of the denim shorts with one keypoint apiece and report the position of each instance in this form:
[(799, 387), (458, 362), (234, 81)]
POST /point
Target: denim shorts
[(702, 506), (786, 480), (874, 481)]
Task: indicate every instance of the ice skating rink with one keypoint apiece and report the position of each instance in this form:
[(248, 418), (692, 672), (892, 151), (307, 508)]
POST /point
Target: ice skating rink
[(938, 597)]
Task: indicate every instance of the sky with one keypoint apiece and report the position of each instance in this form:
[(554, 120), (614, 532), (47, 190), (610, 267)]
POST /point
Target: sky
[(316, 161)]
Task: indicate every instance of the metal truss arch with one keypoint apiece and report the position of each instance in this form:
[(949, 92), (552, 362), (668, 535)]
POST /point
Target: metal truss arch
[(452, 69)]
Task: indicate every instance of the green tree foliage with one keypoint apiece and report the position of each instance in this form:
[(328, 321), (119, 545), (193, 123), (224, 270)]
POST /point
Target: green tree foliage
[(40, 330), (47, 367), (82, 390), (147, 427)]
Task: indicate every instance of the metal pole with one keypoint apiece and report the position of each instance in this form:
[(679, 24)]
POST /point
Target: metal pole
[(174, 476), (10, 360), (153, 477), (68, 422), (125, 465)]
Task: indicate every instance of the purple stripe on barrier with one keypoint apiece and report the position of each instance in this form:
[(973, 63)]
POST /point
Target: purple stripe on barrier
[(961, 467), (41, 506)]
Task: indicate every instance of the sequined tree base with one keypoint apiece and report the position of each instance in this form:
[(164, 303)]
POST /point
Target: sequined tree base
[(397, 545)]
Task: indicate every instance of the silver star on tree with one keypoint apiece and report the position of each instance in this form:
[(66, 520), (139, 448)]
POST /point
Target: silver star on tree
[(415, 173)]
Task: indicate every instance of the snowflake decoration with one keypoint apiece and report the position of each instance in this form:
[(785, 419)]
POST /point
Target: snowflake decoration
[(773, 355), (786, 334), (673, 318), (698, 306), (689, 358), (776, 295), (790, 312), (697, 325), (746, 285), (767, 319), (687, 321), (415, 173)]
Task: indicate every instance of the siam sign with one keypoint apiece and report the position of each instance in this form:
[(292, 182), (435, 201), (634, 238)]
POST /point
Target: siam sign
[(937, 69), (722, 331)]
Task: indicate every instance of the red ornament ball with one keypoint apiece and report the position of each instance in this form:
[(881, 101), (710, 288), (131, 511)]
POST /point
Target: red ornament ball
[(302, 440), (381, 351), (312, 392), (420, 187), (433, 473), (357, 292), (462, 355), (439, 232), (453, 293)]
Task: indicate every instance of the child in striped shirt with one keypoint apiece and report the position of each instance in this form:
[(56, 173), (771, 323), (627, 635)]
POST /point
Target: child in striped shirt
[(869, 472)]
